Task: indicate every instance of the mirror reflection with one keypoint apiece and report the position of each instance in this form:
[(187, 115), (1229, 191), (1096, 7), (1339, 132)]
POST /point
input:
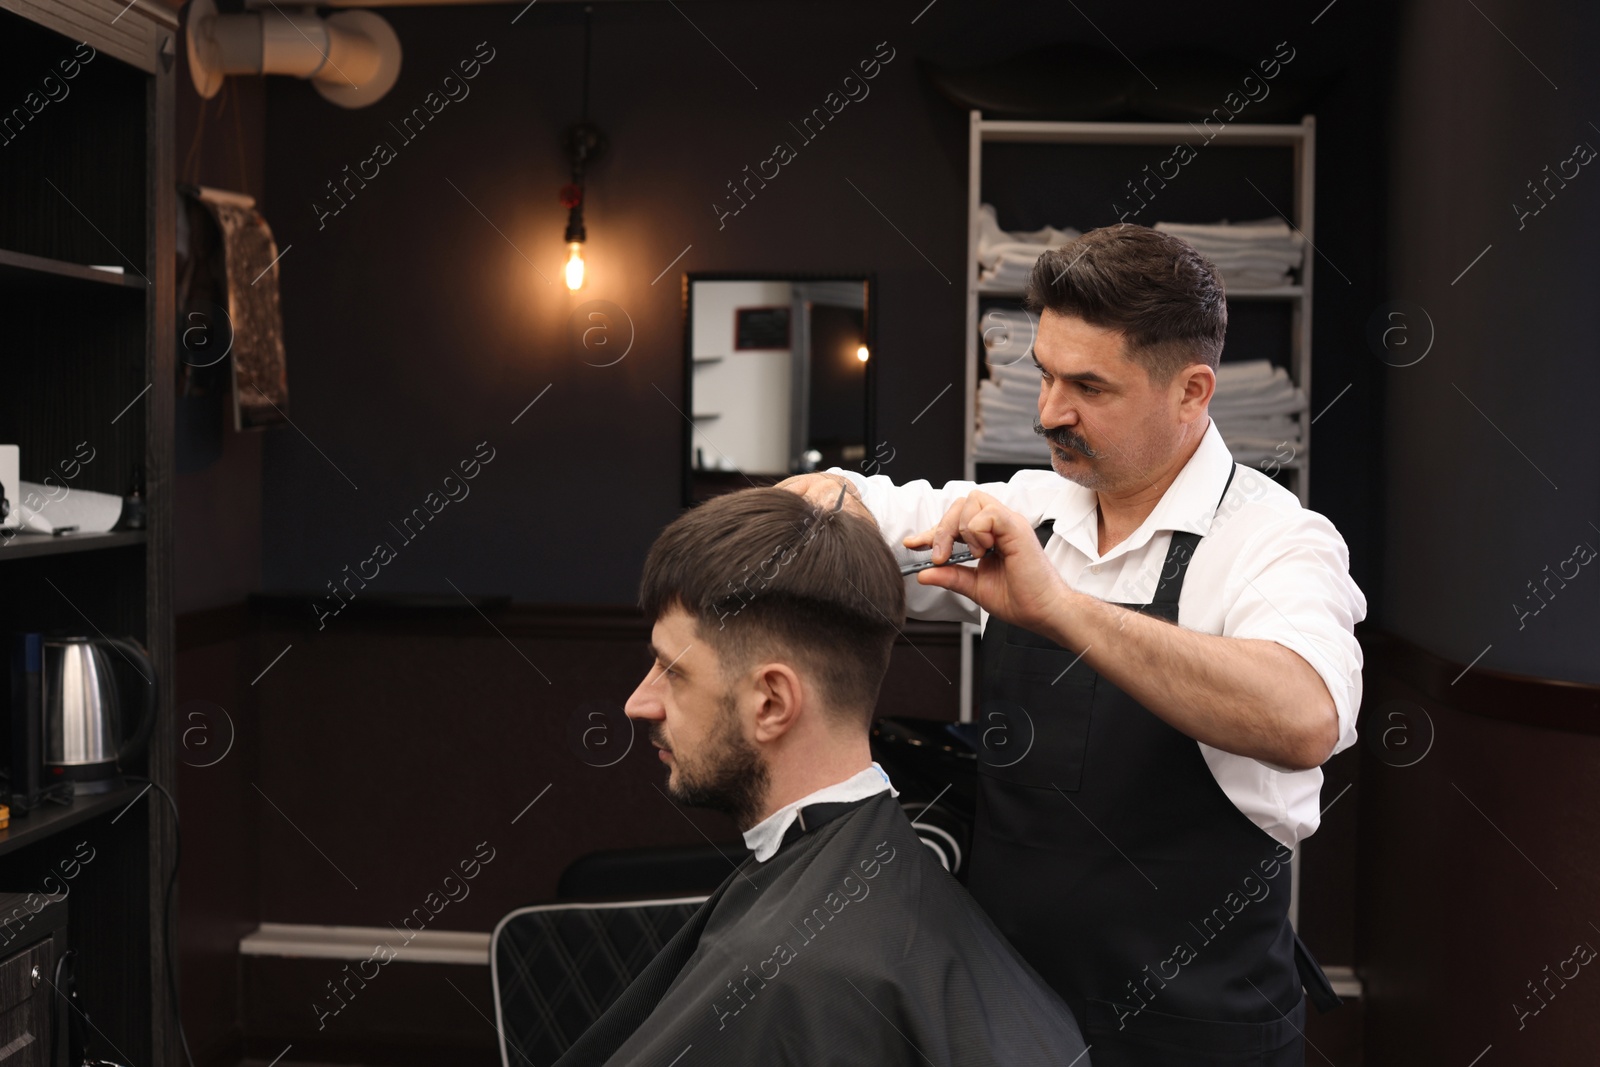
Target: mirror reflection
[(779, 373)]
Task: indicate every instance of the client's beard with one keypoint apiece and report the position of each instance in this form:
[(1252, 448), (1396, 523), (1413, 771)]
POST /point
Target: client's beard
[(729, 776)]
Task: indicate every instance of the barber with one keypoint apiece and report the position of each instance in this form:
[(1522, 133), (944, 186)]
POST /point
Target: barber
[(1168, 658)]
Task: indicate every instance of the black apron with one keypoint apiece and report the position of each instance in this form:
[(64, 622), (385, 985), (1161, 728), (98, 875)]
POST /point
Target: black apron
[(1105, 850)]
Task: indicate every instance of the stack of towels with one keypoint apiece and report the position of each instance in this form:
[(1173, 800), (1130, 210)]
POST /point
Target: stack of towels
[(1249, 255), (1008, 400), (1005, 260), (1256, 409)]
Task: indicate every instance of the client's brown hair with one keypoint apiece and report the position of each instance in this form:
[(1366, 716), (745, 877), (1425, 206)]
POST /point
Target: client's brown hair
[(767, 575)]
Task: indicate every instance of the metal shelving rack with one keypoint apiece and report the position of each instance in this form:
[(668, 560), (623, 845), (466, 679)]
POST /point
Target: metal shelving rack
[(1299, 138)]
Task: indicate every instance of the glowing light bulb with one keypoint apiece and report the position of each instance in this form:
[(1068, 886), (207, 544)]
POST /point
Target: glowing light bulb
[(574, 268), (862, 354)]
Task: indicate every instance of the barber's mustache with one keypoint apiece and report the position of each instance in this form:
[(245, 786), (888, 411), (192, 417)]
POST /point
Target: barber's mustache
[(1063, 437)]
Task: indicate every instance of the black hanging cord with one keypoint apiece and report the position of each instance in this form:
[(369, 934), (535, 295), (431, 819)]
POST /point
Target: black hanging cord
[(583, 141), (588, 40), (168, 933)]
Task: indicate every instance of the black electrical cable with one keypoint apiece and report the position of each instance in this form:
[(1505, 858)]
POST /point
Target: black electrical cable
[(588, 36), (167, 932)]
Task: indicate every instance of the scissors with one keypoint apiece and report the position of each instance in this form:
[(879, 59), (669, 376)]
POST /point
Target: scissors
[(961, 555)]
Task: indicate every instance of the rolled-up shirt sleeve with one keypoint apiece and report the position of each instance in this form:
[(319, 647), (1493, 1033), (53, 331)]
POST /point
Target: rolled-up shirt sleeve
[(903, 510), (1291, 584)]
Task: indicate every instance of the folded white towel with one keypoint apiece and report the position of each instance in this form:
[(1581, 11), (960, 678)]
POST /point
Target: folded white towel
[(1006, 259), (1250, 392), (992, 240), (1016, 440), (1280, 426), (997, 323), (1257, 454), (990, 451), (1252, 260), (1244, 370), (1018, 379), (1249, 255), (1255, 395), (1255, 279), (1275, 405), (1256, 230), (1007, 419), (1008, 335), (1010, 272), (1007, 403)]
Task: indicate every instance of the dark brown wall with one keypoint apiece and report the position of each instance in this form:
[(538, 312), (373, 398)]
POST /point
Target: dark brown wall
[(1478, 863), (1494, 472), (219, 876), (218, 545), (410, 1015), (397, 748), (218, 506), (417, 324)]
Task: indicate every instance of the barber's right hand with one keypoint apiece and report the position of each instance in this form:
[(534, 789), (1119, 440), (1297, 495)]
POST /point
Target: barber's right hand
[(822, 490)]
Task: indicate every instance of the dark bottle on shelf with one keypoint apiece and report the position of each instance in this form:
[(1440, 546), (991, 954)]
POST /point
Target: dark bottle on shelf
[(133, 504)]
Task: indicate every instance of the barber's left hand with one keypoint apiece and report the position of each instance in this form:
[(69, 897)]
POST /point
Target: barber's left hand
[(1013, 580)]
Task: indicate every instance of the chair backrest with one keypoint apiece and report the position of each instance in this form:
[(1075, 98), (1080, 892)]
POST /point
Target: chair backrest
[(557, 967)]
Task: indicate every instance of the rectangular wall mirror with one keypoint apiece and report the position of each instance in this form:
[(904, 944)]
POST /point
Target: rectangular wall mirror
[(779, 374)]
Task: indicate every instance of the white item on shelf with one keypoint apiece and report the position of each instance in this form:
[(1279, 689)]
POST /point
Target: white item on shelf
[(999, 399), (10, 465), (1279, 427), (1006, 413), (1008, 400), (1249, 255), (1005, 258), (1255, 409), (1257, 388), (1008, 336), (47, 508)]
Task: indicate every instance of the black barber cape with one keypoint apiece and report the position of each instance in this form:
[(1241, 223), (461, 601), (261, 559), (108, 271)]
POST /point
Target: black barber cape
[(852, 945)]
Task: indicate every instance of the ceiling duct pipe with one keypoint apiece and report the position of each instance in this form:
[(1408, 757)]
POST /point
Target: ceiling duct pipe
[(352, 58)]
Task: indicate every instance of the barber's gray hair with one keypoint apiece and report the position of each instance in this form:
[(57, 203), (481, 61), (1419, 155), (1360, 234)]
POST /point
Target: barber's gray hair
[(1162, 295)]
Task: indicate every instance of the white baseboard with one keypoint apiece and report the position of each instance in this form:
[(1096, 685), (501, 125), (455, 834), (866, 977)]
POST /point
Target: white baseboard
[(1345, 982), (360, 942)]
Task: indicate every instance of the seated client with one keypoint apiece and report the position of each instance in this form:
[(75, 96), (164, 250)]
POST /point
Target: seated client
[(840, 939)]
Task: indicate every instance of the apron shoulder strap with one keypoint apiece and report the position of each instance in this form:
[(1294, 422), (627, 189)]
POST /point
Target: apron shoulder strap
[(1180, 552)]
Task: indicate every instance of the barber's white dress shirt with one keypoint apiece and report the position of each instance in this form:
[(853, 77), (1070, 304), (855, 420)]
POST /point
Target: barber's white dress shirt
[(765, 836), (1265, 568)]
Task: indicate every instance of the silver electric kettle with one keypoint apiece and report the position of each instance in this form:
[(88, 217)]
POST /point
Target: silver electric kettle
[(84, 742)]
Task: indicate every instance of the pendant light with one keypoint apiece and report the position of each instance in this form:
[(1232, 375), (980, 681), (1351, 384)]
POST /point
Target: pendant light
[(584, 143)]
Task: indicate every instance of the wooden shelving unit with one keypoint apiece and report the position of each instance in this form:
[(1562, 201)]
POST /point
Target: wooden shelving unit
[(19, 268), (32, 545), (54, 819), (87, 370)]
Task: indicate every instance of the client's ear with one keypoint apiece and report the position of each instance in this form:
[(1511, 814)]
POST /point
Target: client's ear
[(781, 694)]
